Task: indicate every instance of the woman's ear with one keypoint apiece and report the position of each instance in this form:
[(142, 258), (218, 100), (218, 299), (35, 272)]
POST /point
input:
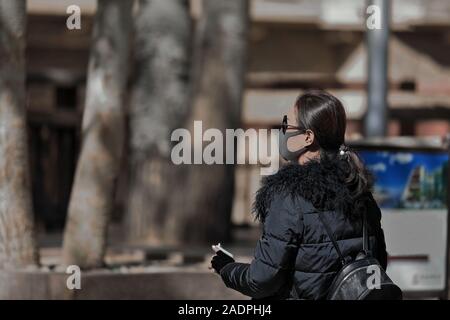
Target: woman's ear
[(309, 137)]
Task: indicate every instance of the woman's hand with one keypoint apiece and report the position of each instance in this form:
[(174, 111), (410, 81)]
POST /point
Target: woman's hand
[(220, 260)]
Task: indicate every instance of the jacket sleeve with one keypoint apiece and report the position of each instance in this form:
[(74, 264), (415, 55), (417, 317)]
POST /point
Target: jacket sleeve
[(381, 253), (275, 253)]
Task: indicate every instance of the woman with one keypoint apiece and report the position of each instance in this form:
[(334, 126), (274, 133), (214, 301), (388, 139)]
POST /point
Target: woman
[(294, 258)]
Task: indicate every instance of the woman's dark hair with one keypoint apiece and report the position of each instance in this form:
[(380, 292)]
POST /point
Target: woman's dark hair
[(324, 114)]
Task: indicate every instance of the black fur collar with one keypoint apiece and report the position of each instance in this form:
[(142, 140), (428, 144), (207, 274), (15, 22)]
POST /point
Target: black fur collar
[(321, 183)]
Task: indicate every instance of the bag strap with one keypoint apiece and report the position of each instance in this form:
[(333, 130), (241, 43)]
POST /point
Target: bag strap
[(330, 235), (366, 248)]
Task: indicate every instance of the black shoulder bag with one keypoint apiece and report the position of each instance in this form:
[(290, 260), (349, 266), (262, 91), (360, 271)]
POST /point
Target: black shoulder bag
[(355, 280)]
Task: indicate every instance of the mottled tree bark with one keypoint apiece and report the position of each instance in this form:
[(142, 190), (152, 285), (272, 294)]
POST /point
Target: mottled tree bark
[(219, 68), (17, 241), (159, 104), (103, 134)]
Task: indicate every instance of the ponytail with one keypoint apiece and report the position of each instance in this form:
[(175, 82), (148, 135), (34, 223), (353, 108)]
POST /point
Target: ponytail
[(354, 175)]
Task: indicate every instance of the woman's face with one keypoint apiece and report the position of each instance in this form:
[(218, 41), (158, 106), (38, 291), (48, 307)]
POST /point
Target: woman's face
[(296, 142), (300, 141)]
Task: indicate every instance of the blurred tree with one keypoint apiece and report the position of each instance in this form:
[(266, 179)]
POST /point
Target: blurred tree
[(171, 204), (159, 104), (17, 242), (218, 83), (103, 135)]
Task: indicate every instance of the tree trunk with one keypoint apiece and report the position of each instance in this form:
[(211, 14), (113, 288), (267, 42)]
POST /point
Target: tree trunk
[(103, 135), (17, 240), (219, 69), (159, 104)]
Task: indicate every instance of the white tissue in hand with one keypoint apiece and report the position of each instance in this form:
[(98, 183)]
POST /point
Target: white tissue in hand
[(218, 248)]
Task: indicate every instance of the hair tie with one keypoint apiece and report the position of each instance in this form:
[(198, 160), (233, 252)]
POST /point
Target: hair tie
[(343, 150)]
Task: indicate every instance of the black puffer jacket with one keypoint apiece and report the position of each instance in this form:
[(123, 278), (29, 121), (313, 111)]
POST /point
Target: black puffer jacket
[(294, 258)]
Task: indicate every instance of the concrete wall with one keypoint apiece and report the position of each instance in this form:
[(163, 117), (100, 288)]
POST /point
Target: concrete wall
[(100, 285)]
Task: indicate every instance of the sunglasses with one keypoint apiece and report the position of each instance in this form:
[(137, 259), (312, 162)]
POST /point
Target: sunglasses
[(285, 126)]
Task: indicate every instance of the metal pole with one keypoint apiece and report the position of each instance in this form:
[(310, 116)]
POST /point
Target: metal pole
[(377, 75)]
